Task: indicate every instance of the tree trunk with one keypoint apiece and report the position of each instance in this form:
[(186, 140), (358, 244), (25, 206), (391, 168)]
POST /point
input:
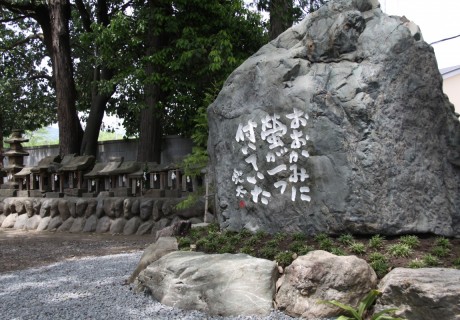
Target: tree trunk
[(150, 133), (280, 17), (89, 145), (70, 131)]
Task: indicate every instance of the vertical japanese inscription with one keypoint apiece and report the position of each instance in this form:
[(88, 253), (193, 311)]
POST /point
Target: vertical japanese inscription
[(275, 132)]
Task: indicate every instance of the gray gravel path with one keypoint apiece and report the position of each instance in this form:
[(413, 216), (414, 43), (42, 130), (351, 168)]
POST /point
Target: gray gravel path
[(86, 288)]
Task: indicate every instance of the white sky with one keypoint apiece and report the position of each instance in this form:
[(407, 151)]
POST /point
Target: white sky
[(437, 20)]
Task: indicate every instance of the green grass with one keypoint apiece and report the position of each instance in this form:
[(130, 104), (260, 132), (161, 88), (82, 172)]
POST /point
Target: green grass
[(400, 250), (430, 260), (357, 248), (410, 240), (376, 242), (346, 239)]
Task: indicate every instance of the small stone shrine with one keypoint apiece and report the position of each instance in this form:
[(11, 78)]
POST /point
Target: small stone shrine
[(338, 125), (15, 157)]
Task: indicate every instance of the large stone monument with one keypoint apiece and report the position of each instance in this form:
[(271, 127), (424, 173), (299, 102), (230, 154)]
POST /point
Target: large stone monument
[(338, 125)]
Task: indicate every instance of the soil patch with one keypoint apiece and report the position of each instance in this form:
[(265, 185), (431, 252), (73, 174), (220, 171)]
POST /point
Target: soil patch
[(25, 249)]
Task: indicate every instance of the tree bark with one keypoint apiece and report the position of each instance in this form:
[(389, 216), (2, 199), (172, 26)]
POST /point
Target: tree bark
[(70, 131), (280, 17), (150, 133)]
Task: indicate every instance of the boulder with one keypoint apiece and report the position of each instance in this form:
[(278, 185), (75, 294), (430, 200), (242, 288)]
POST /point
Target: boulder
[(66, 225), (54, 211), (421, 294), (100, 211), (45, 208), (117, 226), (55, 222), (145, 228), (154, 252), (90, 208), (161, 224), (179, 228), (157, 212), (103, 225), (21, 221), (44, 222), (78, 225), (131, 226), (19, 206), (2, 218), (80, 207), (146, 209), (33, 222), (10, 220), (218, 284), (319, 276), (64, 210), (338, 125), (90, 224)]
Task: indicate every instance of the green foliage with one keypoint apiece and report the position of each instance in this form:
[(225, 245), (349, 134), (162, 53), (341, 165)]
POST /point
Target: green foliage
[(416, 264), (357, 248), (299, 236), (337, 251), (411, 241), (442, 242), (430, 260), (400, 250), (321, 236), (184, 242), (360, 312), (457, 263), (284, 258), (325, 242), (268, 252), (346, 239), (376, 242), (440, 252), (379, 262)]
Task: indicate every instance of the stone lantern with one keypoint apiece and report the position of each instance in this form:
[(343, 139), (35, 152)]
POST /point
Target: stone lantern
[(15, 157)]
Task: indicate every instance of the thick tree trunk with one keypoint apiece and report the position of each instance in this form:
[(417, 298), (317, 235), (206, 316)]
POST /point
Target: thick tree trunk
[(98, 105), (70, 131), (150, 133), (280, 17)]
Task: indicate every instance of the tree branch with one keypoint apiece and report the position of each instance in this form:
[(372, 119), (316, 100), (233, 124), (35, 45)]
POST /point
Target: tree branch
[(14, 19), (23, 41), (84, 14), (42, 76)]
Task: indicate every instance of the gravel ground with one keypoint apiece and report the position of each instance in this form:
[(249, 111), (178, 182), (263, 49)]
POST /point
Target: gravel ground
[(86, 288)]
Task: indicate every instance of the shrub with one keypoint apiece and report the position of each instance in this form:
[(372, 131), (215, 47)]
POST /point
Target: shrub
[(284, 258), (299, 236), (456, 263), (416, 264), (376, 242), (380, 267), (400, 250), (357, 248), (338, 251), (442, 242), (260, 234), (326, 244), (184, 243), (227, 248), (279, 236), (304, 250), (273, 243), (360, 312), (375, 256), (268, 253), (296, 246), (346, 239), (247, 250), (430, 260), (411, 241), (440, 252), (321, 236), (252, 240)]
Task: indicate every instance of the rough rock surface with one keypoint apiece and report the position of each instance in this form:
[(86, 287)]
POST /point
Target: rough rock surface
[(44, 222), (218, 284), (103, 225), (421, 294), (55, 222), (78, 225), (154, 252), (21, 221), (338, 125), (10, 220), (117, 226), (90, 224), (320, 276), (33, 222), (131, 226)]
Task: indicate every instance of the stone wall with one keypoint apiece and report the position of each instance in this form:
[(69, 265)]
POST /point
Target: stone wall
[(112, 215)]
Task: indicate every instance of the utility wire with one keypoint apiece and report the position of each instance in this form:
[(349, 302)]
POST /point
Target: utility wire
[(442, 40)]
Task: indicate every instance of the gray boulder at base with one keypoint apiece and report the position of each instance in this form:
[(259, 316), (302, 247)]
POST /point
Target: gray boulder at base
[(320, 276), (131, 226), (33, 222), (145, 228), (2, 218), (117, 226), (154, 252), (421, 294), (338, 125), (55, 222), (78, 225), (66, 225), (103, 225), (90, 224), (21, 221), (44, 222), (218, 284), (10, 220)]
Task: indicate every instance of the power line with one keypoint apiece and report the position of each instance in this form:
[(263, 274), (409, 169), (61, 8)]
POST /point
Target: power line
[(442, 40)]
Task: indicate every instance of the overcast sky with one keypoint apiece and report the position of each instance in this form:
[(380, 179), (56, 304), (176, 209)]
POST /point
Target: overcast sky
[(437, 20)]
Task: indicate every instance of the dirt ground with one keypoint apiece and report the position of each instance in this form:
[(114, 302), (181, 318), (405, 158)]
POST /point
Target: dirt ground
[(25, 249)]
